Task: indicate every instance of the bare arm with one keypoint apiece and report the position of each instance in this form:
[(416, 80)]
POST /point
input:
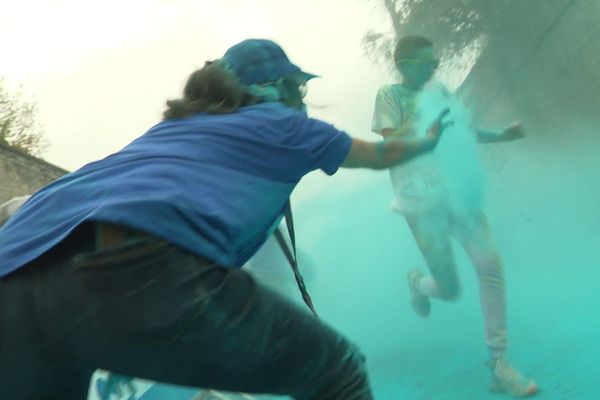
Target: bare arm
[(485, 136), (513, 132), (394, 149), (387, 153), (407, 127)]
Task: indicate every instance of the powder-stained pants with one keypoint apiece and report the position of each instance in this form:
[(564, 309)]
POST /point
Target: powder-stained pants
[(433, 231), (151, 310)]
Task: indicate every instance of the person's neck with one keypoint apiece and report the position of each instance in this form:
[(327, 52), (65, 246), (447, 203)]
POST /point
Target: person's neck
[(411, 86)]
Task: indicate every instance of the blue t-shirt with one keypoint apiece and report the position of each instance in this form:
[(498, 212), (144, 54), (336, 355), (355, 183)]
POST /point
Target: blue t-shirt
[(214, 185)]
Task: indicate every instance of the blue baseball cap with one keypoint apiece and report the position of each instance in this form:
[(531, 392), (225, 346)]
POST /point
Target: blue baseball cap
[(256, 61)]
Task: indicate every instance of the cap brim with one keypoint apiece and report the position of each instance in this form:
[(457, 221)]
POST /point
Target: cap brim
[(308, 76)]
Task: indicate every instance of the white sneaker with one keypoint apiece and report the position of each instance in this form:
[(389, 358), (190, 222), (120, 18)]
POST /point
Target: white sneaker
[(508, 380)]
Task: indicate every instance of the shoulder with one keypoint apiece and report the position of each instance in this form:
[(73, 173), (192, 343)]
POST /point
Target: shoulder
[(394, 92), (291, 124), (385, 89), (273, 108), (271, 113)]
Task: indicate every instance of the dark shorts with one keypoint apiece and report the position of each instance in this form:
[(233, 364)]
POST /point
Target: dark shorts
[(149, 309)]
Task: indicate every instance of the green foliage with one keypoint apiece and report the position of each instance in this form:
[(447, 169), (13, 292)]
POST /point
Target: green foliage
[(453, 25), (507, 28), (18, 126)]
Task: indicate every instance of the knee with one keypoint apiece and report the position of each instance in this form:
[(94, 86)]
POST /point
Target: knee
[(349, 359), (344, 376), (449, 290), (487, 261), (353, 379), (355, 360), (489, 268)]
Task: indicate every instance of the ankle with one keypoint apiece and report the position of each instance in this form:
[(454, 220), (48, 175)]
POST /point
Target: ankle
[(493, 362)]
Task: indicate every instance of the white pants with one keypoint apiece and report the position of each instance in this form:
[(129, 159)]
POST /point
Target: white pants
[(433, 231)]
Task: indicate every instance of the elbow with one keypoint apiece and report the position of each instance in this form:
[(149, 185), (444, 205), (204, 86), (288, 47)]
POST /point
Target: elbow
[(381, 165), (382, 159), (391, 152)]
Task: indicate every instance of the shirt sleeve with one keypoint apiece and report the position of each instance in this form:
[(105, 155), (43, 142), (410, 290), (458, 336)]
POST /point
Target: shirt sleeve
[(333, 148), (388, 113), (303, 144)]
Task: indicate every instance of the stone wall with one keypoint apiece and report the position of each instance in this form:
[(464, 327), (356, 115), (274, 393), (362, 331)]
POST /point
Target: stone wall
[(22, 174), (544, 72)]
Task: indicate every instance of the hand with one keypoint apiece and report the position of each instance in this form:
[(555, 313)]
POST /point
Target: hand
[(513, 132), (438, 126)]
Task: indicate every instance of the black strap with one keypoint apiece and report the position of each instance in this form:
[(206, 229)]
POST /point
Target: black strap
[(291, 256)]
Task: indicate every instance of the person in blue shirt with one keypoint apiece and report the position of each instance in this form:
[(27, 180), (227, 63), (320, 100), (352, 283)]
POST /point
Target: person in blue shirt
[(132, 263)]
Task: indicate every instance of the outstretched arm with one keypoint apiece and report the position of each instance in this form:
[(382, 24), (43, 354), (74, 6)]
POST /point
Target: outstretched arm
[(393, 149), (513, 132), (386, 153)]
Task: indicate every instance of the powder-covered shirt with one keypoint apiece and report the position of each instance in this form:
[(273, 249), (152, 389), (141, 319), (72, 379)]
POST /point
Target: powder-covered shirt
[(417, 183), (215, 185)]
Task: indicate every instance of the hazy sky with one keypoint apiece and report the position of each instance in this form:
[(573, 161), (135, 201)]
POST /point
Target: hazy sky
[(100, 72)]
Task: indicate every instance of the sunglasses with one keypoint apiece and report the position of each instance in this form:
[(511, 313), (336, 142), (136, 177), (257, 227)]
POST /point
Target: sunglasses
[(434, 62), (301, 85), (303, 89)]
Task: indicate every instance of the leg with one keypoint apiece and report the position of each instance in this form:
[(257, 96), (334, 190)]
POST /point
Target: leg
[(157, 312), (474, 234), (431, 232), (28, 370)]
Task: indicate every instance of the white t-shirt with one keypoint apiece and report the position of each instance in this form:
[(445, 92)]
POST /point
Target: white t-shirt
[(417, 183), (449, 176)]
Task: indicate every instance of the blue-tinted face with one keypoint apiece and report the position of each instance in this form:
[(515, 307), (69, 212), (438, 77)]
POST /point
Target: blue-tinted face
[(293, 88), (419, 69)]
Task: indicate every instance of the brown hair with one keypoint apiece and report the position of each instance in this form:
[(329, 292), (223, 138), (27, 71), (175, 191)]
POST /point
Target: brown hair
[(210, 89), (407, 45)]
